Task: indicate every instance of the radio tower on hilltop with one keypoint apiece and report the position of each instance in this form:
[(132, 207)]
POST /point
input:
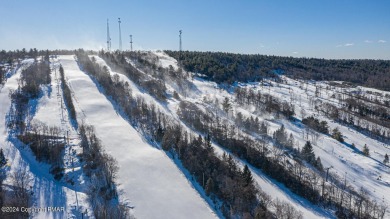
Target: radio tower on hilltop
[(108, 37), (131, 43), (180, 48), (120, 35)]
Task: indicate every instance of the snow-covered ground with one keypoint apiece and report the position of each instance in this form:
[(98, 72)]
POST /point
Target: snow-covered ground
[(46, 191), (274, 189), (149, 179), (358, 170), (152, 182)]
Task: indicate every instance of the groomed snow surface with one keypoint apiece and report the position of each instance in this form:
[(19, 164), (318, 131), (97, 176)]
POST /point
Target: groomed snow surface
[(149, 179)]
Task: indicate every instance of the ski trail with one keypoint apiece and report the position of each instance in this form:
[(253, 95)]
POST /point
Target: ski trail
[(46, 191), (148, 178)]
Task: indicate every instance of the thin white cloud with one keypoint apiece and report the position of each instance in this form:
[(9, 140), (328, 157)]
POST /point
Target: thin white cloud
[(368, 41), (347, 44), (295, 52), (381, 41), (261, 45)]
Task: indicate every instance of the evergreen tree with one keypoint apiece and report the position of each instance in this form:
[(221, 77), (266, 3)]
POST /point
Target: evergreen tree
[(208, 145), (290, 142), (247, 176), (280, 136), (366, 151), (47, 56), (3, 161), (318, 164), (209, 186), (336, 134), (263, 128), (386, 160), (176, 95), (308, 153), (226, 105)]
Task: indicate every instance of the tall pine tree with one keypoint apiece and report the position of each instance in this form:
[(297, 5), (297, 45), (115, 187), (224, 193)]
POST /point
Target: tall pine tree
[(308, 153), (3, 161), (247, 176)]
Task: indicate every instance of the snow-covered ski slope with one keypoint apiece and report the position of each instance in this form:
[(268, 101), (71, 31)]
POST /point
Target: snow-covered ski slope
[(358, 170), (351, 166), (46, 191), (149, 179), (276, 190), (271, 187)]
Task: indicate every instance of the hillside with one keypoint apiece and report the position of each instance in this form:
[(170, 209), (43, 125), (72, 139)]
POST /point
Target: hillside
[(228, 67), (138, 135)]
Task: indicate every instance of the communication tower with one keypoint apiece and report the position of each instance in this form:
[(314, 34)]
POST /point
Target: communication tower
[(120, 35), (131, 43), (108, 37)]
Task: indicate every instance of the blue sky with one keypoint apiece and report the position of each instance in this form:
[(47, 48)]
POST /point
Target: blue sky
[(301, 28)]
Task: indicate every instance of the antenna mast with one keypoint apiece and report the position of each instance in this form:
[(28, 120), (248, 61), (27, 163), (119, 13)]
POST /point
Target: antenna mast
[(131, 43), (120, 35), (108, 37), (180, 48)]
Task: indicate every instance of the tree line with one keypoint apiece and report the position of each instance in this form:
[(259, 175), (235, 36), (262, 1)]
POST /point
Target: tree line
[(101, 169), (117, 61), (264, 102), (67, 96), (229, 67)]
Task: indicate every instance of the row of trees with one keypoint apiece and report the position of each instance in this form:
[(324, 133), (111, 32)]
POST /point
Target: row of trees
[(32, 78), (2, 75), (148, 63), (102, 169), (316, 124), (379, 114), (222, 180), (117, 61), (364, 125), (67, 96), (229, 67), (234, 193), (47, 144), (263, 102)]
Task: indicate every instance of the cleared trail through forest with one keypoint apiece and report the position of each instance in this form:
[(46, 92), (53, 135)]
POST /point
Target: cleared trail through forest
[(148, 178)]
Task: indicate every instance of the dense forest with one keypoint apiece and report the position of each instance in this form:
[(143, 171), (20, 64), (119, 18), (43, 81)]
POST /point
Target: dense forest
[(229, 67)]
